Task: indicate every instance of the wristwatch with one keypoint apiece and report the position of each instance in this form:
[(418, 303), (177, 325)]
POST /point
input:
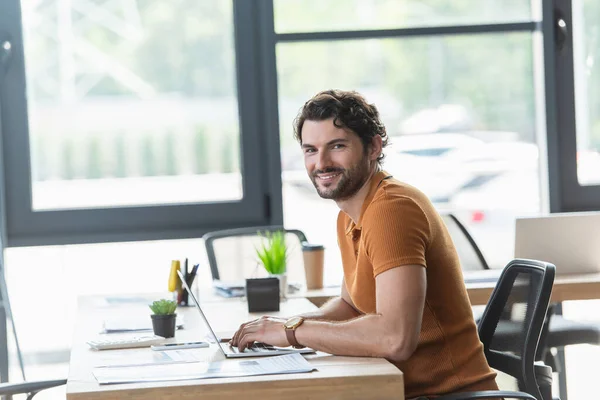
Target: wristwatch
[(290, 327)]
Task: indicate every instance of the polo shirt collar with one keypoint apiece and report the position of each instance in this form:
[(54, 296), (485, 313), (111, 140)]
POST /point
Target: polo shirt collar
[(374, 184)]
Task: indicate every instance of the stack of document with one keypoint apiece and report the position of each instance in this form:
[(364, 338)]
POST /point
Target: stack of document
[(238, 289), (287, 364), (229, 289)]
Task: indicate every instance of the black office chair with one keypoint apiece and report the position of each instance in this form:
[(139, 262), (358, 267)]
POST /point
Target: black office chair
[(471, 257), (521, 295), (235, 249), (559, 331), (29, 388)]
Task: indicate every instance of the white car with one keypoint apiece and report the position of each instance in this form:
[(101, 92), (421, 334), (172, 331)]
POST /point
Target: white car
[(434, 163), (489, 211)]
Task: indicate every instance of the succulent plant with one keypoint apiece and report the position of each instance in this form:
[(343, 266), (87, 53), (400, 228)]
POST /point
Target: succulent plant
[(163, 307)]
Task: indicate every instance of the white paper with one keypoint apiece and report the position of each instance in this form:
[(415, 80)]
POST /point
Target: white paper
[(139, 358), (286, 364)]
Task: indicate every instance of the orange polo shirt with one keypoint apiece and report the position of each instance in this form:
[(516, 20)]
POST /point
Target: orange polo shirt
[(399, 226)]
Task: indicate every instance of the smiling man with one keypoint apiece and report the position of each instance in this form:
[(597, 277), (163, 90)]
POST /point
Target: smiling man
[(403, 296)]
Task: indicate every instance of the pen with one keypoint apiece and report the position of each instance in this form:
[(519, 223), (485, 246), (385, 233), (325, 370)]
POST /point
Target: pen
[(185, 269), (190, 279)]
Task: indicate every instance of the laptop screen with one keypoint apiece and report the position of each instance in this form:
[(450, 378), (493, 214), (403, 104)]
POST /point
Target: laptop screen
[(210, 329)]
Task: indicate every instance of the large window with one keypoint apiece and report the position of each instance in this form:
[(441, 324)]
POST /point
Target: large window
[(131, 103), (586, 47), (460, 110), (134, 123), (573, 132)]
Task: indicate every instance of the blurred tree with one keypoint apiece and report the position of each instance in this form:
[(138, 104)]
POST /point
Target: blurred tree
[(186, 47), (68, 165), (171, 163), (226, 158), (148, 157), (489, 74), (200, 151), (94, 159), (120, 156)]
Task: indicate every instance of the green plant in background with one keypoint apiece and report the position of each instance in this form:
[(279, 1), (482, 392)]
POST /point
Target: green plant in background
[(272, 252), (200, 151), (94, 166), (163, 307), (170, 154), (148, 158), (68, 163), (120, 156), (226, 154)]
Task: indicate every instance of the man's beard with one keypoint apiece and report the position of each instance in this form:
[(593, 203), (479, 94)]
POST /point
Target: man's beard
[(350, 181)]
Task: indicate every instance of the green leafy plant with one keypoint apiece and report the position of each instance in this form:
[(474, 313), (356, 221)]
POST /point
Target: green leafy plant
[(163, 307), (272, 252)]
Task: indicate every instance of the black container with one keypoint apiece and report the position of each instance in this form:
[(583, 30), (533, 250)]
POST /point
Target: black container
[(185, 300), (262, 294), (164, 325)]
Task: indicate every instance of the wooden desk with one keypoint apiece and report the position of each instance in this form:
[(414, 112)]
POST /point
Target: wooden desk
[(566, 287), (319, 296), (336, 377)]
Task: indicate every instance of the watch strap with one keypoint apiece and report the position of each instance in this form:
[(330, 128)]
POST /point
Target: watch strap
[(291, 337)]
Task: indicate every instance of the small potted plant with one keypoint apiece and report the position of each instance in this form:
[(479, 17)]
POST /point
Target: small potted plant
[(163, 319), (272, 253)]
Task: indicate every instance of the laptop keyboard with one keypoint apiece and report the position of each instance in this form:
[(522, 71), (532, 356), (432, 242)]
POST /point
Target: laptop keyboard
[(257, 347)]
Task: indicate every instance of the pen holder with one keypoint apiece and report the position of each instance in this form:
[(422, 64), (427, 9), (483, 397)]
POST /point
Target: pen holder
[(183, 298), (262, 294)]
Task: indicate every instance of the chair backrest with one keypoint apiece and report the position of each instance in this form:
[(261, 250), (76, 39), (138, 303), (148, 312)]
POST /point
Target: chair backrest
[(232, 253), (510, 343), (471, 257)]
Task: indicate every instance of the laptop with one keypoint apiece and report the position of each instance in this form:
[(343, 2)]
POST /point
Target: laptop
[(569, 241), (229, 351)]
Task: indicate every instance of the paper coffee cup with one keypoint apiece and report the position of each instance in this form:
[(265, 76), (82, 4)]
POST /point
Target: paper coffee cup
[(314, 257)]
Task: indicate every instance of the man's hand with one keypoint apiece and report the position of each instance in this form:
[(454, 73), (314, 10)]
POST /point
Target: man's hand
[(265, 329)]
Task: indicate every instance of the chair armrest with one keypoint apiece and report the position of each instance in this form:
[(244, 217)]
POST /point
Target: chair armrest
[(28, 387), (486, 394)]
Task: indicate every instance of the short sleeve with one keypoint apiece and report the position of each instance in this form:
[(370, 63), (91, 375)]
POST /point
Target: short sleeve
[(395, 232)]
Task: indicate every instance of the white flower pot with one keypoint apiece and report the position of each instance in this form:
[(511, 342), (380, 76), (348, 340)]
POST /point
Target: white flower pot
[(282, 284)]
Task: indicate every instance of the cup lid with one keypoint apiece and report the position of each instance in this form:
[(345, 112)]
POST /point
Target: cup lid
[(311, 246)]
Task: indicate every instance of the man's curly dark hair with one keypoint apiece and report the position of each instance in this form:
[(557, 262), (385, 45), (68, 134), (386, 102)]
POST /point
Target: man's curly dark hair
[(349, 110)]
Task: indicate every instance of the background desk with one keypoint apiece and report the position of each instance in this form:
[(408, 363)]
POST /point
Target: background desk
[(336, 377), (566, 287)]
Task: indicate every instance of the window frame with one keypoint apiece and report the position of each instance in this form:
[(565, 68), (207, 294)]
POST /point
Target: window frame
[(259, 205), (567, 195)]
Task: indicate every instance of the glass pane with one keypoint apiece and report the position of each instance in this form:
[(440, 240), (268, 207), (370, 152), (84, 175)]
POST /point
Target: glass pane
[(338, 15), (131, 102), (586, 41), (460, 114)]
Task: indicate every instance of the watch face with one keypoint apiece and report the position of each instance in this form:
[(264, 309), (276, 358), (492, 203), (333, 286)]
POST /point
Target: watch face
[(293, 322)]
